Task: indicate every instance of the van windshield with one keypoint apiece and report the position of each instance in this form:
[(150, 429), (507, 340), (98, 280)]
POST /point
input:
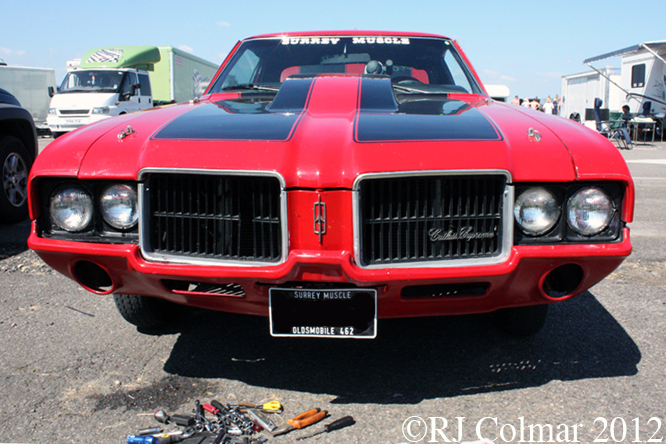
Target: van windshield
[(92, 81)]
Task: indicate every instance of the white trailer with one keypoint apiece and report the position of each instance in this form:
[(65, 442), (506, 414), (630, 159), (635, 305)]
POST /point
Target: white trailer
[(580, 90), (31, 87), (641, 79)]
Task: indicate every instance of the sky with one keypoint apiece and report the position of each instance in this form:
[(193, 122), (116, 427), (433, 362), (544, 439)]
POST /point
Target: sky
[(525, 45)]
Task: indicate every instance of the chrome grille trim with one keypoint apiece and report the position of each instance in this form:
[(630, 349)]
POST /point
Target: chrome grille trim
[(506, 220), (145, 213)]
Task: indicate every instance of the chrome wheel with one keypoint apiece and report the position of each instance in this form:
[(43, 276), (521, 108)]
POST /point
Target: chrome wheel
[(15, 179)]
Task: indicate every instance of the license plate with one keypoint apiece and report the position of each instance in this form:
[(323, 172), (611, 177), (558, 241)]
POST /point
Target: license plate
[(323, 313), (73, 120)]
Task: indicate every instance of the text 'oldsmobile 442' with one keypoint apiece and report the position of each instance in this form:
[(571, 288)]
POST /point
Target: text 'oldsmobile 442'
[(327, 180)]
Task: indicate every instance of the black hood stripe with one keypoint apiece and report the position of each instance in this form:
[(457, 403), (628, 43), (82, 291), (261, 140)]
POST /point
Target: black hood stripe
[(382, 119), (243, 119)]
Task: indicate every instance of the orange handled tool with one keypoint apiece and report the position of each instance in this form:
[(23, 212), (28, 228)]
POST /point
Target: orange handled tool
[(303, 420)]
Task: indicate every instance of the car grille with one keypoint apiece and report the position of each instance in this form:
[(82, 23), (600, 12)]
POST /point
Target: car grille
[(74, 112), (429, 218), (212, 217)]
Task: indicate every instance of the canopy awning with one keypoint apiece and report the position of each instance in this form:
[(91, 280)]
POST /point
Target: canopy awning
[(628, 50)]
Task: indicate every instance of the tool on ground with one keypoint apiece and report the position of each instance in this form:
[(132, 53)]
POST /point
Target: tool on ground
[(150, 431), (303, 420), (203, 423), (271, 406), (180, 420), (136, 439), (261, 418), (244, 439), (343, 422), (229, 426), (161, 416), (232, 415), (170, 438)]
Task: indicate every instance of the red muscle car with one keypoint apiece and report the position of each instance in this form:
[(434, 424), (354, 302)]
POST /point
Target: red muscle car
[(329, 179)]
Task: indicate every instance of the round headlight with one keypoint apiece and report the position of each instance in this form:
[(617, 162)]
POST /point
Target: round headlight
[(536, 211), (71, 208), (120, 207), (589, 211)]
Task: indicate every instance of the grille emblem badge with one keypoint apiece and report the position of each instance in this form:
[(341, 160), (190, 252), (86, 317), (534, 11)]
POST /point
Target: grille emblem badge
[(319, 213), (465, 233)]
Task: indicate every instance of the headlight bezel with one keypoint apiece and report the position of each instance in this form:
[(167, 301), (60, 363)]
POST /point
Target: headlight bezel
[(549, 199), (85, 199), (607, 219), (98, 230), (562, 233), (108, 218)]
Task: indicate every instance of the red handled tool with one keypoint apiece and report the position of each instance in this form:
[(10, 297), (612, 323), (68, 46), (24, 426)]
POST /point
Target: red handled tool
[(303, 420)]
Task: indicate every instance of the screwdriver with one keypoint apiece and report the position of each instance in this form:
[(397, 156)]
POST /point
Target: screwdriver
[(271, 406), (335, 425)]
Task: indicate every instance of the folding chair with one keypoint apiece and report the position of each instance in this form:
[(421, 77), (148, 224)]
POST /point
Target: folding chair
[(614, 131), (612, 128)]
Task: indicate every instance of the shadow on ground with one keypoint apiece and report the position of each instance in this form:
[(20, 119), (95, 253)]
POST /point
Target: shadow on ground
[(14, 239), (411, 359)]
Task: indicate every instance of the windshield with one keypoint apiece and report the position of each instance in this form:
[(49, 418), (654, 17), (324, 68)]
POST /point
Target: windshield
[(91, 81), (426, 65)]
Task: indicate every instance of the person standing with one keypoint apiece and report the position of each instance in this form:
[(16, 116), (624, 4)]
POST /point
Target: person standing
[(535, 104), (548, 106)]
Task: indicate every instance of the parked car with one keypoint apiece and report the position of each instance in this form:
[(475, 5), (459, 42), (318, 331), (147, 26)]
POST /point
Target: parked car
[(18, 150), (326, 180)]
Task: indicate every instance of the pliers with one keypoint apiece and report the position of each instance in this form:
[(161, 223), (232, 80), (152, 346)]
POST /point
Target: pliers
[(303, 420)]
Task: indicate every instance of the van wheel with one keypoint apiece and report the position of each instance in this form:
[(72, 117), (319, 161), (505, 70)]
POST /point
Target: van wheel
[(145, 311), (15, 163), (522, 321)]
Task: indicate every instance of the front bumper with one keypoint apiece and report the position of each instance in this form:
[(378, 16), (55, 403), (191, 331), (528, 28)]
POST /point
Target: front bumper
[(524, 278), (59, 124)]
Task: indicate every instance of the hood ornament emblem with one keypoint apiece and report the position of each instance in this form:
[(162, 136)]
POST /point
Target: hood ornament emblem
[(126, 132), (533, 135), (319, 213)]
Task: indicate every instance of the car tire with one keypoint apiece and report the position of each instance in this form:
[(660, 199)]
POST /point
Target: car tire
[(145, 311), (56, 134), (15, 166), (522, 321)]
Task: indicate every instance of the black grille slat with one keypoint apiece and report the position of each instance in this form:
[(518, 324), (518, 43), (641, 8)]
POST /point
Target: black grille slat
[(398, 215), (219, 217), (74, 112)]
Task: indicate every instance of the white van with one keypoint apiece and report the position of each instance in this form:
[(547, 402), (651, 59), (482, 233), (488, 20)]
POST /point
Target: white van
[(89, 95)]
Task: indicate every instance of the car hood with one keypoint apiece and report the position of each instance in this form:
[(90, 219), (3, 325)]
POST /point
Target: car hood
[(323, 132)]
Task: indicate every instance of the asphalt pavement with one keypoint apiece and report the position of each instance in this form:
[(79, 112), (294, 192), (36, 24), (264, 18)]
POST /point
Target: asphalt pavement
[(74, 371)]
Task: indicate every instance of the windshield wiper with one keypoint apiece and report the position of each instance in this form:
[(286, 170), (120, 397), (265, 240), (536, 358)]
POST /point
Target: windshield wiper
[(410, 89), (251, 86)]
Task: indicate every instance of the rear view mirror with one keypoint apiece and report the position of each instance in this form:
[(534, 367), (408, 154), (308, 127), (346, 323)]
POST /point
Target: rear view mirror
[(51, 91)]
